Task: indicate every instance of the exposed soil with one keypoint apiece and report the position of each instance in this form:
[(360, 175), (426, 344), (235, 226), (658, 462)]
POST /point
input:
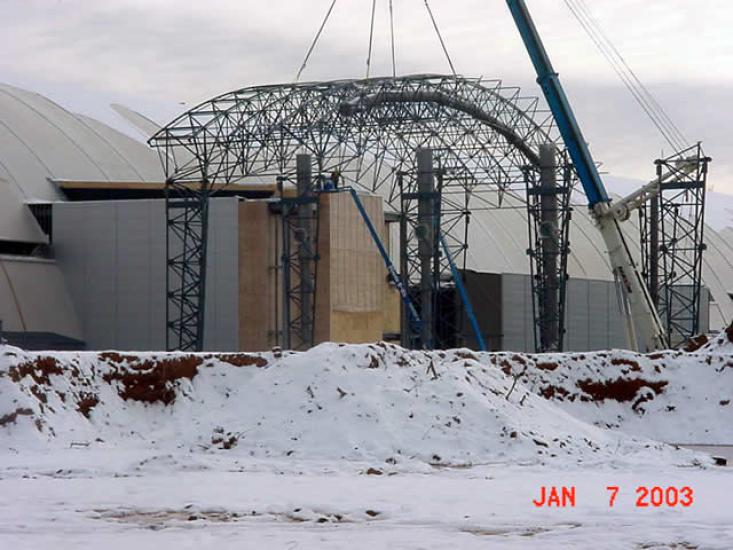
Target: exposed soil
[(554, 392), (546, 366), (13, 416), (633, 365), (86, 402), (242, 360), (621, 389), (695, 343), (151, 381), (39, 369)]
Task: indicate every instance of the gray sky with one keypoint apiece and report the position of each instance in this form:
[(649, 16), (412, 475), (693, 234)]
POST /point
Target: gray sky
[(156, 55)]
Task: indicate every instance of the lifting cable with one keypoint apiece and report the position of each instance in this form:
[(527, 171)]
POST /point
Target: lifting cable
[(315, 40), (652, 100), (391, 35), (669, 131), (442, 43), (371, 38)]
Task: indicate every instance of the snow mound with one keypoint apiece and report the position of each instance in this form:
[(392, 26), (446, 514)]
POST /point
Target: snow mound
[(672, 396), (354, 402)]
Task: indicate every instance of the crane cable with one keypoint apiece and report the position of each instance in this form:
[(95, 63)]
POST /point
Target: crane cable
[(371, 38), (315, 40), (391, 36), (669, 131), (440, 37), (652, 100)]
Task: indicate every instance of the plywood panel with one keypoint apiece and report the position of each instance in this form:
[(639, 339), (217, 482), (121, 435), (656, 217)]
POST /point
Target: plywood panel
[(256, 278)]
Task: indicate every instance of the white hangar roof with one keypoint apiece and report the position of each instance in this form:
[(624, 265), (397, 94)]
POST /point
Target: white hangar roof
[(39, 140), (498, 243)]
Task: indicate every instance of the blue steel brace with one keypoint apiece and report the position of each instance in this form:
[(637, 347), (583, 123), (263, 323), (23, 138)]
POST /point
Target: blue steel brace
[(464, 296)]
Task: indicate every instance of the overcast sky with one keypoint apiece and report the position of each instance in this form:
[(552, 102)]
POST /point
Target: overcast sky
[(162, 56)]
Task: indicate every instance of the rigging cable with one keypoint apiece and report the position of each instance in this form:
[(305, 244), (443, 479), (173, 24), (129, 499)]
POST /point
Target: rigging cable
[(315, 40), (442, 44), (371, 38), (652, 100), (391, 34), (644, 98)]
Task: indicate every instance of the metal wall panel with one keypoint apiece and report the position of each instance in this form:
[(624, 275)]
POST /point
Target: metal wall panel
[(516, 305), (113, 257)]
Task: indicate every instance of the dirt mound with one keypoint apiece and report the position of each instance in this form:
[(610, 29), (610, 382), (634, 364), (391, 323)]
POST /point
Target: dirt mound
[(335, 401)]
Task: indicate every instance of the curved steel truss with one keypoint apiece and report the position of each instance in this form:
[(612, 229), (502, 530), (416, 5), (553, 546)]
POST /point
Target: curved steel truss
[(484, 137)]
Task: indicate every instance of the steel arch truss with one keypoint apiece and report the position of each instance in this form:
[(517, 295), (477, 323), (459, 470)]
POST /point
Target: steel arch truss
[(484, 134)]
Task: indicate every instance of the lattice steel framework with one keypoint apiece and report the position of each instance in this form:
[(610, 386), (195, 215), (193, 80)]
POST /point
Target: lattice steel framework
[(485, 135), (549, 190), (672, 245)]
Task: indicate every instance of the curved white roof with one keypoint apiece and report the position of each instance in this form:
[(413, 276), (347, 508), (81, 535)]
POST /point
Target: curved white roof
[(498, 243), (40, 139)]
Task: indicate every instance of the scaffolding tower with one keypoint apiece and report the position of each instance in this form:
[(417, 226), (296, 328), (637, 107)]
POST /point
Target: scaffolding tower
[(672, 225)]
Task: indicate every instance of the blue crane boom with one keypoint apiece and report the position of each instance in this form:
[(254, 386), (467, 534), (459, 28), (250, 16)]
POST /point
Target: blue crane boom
[(644, 329), (554, 93)]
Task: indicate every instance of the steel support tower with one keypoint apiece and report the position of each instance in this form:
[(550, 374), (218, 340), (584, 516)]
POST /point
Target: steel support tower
[(549, 188), (187, 213), (672, 241), (299, 267)]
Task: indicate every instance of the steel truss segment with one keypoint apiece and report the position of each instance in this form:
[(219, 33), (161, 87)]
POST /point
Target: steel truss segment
[(482, 132)]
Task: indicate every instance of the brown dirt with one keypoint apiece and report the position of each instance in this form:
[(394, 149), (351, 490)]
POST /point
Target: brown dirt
[(633, 365), (13, 416), (552, 392), (39, 394), (242, 360), (39, 369), (466, 355), (695, 343), (149, 381), (547, 365), (86, 402), (621, 389)]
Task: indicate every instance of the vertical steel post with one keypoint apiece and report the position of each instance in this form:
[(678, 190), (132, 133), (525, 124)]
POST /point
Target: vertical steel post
[(653, 253), (426, 236), (549, 233), (306, 234), (406, 335)]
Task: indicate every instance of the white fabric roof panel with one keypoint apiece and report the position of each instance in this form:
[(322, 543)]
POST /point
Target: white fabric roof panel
[(498, 242), (41, 140)]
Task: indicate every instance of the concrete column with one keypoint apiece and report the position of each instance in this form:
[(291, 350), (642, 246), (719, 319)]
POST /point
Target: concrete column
[(426, 241), (550, 335)]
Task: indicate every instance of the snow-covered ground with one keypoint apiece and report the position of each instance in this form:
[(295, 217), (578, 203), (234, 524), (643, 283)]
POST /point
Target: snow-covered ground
[(367, 446)]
